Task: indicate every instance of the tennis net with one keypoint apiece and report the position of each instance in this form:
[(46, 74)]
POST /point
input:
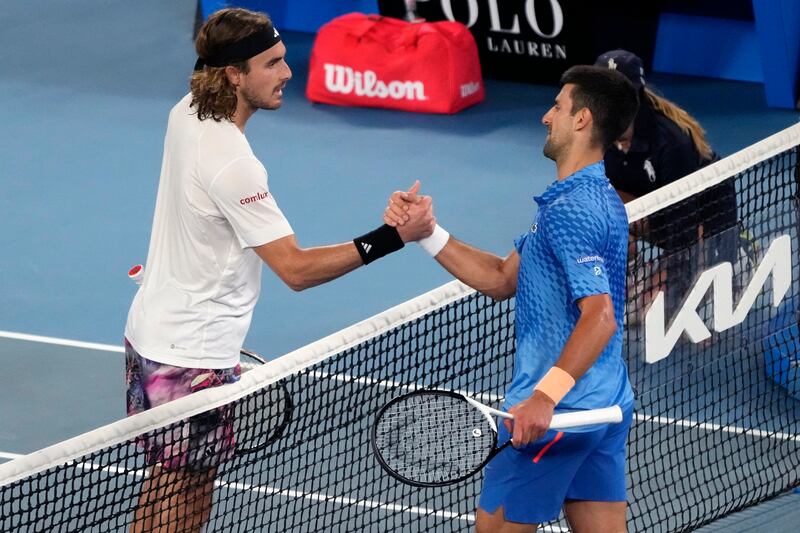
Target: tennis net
[(716, 380)]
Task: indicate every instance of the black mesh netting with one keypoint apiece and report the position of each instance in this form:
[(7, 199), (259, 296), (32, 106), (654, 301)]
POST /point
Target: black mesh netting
[(715, 430)]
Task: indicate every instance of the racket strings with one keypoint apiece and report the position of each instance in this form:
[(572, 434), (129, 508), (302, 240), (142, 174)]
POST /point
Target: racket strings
[(261, 419), (432, 438)]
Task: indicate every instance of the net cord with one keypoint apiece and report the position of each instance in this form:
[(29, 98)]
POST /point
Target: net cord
[(124, 430), (297, 360), (713, 174)]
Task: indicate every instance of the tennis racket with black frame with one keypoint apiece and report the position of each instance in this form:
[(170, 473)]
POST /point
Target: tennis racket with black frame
[(433, 438), (262, 417), (259, 419)]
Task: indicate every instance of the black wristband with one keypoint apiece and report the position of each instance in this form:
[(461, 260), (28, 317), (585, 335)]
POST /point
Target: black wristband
[(378, 243)]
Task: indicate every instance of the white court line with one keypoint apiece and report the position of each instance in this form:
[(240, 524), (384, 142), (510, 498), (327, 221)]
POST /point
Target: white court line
[(321, 497), (486, 398), (716, 427), (314, 496), (638, 417), (347, 378), (61, 342), (6, 455)]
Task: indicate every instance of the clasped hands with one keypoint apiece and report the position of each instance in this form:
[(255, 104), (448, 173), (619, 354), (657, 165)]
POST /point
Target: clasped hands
[(411, 213)]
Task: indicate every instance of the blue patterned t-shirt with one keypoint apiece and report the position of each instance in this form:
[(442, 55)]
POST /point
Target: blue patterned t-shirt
[(576, 247)]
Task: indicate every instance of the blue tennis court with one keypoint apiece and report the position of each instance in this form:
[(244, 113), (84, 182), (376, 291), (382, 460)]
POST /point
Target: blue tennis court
[(324, 467), (85, 94)]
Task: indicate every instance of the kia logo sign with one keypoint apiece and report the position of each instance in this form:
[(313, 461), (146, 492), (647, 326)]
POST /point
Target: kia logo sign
[(659, 340)]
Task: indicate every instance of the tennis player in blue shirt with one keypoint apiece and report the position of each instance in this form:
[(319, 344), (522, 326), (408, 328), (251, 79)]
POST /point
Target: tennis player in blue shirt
[(568, 274)]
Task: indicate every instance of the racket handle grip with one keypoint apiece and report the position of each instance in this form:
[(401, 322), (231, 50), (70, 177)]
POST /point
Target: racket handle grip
[(136, 274), (606, 415)]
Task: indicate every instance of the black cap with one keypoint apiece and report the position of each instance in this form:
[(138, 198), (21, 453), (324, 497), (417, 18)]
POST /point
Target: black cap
[(625, 62)]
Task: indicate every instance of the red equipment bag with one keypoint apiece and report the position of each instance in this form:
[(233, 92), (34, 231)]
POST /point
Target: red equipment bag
[(373, 61)]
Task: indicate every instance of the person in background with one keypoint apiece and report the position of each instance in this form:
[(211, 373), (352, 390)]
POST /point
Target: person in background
[(662, 145)]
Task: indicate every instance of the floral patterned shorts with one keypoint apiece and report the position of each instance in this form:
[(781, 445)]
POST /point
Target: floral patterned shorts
[(198, 443)]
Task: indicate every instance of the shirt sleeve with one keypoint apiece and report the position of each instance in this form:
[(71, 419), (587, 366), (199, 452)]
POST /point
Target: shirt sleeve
[(577, 235), (240, 192), (519, 242)]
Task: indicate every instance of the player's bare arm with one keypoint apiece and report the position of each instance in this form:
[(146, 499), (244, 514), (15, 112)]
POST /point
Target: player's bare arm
[(489, 274), (303, 268), (594, 329)]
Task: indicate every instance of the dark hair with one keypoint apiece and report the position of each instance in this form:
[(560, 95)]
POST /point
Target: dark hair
[(610, 97), (212, 93)]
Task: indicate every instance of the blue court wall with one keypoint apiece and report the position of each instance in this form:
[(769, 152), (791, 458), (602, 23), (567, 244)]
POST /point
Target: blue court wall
[(764, 50), (296, 15), (778, 28)]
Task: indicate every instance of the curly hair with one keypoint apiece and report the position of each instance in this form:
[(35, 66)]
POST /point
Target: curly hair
[(213, 95)]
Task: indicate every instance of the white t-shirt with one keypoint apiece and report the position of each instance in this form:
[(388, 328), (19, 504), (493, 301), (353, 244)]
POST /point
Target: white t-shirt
[(202, 278)]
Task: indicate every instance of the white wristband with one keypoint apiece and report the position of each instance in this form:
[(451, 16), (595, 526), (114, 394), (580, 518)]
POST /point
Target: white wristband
[(437, 240)]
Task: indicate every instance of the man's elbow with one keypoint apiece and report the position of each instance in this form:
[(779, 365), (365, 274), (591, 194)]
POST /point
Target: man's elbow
[(599, 312), (501, 292), (612, 327), (296, 287), (608, 321), (296, 282), (293, 278), (497, 295), (291, 267)]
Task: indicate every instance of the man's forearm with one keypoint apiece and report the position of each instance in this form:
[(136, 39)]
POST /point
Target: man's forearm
[(483, 271), (590, 337), (302, 268), (318, 265)]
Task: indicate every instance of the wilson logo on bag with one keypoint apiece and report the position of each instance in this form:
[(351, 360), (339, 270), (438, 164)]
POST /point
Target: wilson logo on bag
[(345, 80), (361, 60)]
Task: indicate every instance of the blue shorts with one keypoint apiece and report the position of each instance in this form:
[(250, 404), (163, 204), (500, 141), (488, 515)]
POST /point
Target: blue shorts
[(532, 483)]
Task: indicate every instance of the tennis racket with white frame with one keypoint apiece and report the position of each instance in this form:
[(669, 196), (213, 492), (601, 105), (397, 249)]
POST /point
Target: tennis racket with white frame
[(433, 438)]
